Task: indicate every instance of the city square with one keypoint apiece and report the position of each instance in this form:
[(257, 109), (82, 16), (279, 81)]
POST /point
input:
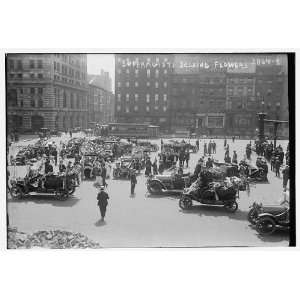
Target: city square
[(152, 221)]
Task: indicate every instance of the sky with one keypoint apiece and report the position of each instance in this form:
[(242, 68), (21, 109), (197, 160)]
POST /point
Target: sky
[(96, 62)]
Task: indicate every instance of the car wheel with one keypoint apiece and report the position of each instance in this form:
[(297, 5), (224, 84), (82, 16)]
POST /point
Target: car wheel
[(252, 215), (116, 174), (16, 192), (185, 203), (231, 206), (154, 188), (265, 226), (61, 195)]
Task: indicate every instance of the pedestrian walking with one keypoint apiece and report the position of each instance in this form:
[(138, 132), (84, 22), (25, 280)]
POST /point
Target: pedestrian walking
[(225, 142), (272, 161), (103, 174), (277, 167), (102, 198), (154, 166), (181, 158), (286, 176), (133, 181), (55, 154), (234, 157), (209, 148), (197, 144), (148, 167), (205, 149), (187, 158)]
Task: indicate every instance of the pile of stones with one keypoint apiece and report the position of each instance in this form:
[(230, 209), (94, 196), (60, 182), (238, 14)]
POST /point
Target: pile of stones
[(53, 239)]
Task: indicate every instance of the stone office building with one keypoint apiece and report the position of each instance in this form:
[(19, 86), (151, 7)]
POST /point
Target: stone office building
[(46, 90), (100, 102)]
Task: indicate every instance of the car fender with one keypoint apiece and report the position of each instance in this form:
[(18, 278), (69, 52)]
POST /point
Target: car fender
[(157, 181), (262, 215)]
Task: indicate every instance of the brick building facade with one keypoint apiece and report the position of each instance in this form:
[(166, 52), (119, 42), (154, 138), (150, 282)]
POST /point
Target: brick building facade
[(211, 94), (46, 90), (142, 88)]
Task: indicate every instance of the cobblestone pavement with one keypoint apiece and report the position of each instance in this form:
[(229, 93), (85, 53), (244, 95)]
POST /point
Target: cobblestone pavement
[(147, 221)]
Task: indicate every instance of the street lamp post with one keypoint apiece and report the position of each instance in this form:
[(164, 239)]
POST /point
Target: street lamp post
[(276, 123), (261, 124), (262, 119)]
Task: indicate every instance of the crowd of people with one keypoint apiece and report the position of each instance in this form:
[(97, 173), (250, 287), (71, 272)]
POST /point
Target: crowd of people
[(53, 159)]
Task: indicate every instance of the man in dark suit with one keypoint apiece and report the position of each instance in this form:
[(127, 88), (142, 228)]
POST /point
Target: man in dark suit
[(102, 198)]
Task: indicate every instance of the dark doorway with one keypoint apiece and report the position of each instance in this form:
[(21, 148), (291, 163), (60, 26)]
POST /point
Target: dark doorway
[(37, 122), (15, 123)]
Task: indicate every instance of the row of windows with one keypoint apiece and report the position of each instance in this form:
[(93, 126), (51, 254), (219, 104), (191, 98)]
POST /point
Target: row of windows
[(68, 71), (18, 64), (136, 108), (148, 72), (21, 91), (199, 91), (240, 80), (148, 59), (199, 80), (69, 59), (136, 97), (21, 75), (69, 81), (136, 84)]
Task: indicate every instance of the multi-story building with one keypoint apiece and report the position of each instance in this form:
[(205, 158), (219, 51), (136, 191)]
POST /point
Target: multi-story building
[(210, 94), (142, 88), (46, 90), (102, 80), (101, 102)]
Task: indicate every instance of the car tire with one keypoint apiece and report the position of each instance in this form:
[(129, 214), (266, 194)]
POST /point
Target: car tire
[(154, 188), (252, 215), (16, 192), (231, 206), (185, 203), (265, 226)]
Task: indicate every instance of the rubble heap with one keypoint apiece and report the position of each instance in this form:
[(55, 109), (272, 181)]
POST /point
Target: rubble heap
[(54, 239)]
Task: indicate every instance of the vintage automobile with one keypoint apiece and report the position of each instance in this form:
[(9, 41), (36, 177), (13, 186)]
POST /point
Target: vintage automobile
[(88, 167), (257, 209), (214, 194), (55, 133), (255, 174), (44, 133), (173, 182), (268, 222), (148, 146), (122, 168), (61, 186)]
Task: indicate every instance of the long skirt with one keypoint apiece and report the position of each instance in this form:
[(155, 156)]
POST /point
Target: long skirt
[(99, 181)]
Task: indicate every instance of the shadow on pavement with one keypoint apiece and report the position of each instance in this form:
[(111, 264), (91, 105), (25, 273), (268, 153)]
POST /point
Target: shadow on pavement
[(175, 195), (215, 211), (47, 199), (277, 236), (100, 223)]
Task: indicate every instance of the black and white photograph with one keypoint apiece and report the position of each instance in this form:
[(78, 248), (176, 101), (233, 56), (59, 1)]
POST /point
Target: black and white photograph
[(117, 150)]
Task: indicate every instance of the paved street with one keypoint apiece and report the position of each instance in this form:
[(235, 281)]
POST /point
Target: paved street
[(151, 221)]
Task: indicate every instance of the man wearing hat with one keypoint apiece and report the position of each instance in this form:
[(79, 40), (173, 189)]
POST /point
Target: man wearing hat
[(133, 180), (102, 198)]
